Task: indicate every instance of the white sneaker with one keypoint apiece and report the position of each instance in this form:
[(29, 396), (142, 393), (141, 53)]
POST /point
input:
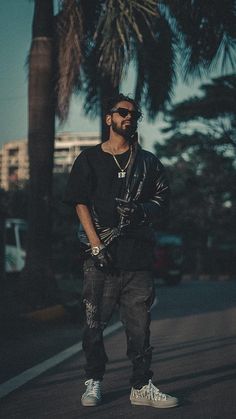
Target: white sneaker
[(149, 395), (92, 395)]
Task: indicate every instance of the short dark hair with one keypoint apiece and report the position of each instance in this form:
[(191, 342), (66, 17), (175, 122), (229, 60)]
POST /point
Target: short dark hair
[(111, 102)]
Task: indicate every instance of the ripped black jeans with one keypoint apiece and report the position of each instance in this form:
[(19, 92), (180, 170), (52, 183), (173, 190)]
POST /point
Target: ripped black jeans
[(134, 293)]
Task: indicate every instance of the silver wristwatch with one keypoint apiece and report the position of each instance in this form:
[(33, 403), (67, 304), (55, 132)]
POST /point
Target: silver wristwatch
[(95, 250)]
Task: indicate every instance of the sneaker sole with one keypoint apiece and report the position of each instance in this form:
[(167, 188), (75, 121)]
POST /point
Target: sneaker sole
[(152, 404), (91, 403)]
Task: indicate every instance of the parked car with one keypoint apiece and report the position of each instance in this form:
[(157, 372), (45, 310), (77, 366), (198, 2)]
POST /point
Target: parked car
[(168, 257), (15, 251)]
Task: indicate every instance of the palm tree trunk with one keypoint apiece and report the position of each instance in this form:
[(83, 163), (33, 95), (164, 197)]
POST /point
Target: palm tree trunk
[(2, 239), (3, 282), (41, 132), (2, 251), (107, 89)]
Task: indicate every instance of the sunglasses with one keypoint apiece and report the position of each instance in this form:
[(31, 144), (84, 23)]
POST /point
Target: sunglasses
[(123, 112)]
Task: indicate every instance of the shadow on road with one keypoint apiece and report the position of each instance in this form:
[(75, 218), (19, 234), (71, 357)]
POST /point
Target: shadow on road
[(181, 300)]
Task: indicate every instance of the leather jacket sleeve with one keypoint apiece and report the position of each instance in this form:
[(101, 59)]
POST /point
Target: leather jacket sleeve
[(156, 209)]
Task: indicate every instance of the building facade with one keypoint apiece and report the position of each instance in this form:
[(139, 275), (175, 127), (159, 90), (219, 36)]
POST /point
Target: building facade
[(14, 161)]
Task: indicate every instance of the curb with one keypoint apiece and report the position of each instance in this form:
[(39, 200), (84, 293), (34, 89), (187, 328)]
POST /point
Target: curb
[(50, 313), (207, 277)]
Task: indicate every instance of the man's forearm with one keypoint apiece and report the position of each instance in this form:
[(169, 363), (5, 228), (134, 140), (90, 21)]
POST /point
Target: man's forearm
[(158, 206), (87, 223)]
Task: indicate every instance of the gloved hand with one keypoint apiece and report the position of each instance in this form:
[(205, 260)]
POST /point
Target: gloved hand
[(103, 261), (129, 210)]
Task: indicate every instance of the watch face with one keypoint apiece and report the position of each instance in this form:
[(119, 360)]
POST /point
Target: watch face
[(95, 250)]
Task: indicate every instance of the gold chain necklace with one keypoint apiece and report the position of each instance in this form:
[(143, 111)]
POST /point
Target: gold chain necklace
[(122, 172)]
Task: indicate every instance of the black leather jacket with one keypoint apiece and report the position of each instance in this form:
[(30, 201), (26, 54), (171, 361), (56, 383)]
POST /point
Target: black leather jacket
[(146, 184)]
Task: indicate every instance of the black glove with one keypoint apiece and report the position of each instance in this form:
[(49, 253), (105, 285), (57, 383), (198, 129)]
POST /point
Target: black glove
[(129, 210), (103, 261)]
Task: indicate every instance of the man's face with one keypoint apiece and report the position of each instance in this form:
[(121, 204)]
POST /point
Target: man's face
[(124, 125)]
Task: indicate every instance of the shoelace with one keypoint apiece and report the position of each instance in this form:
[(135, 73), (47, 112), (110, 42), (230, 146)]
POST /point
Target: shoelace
[(93, 388), (154, 393)]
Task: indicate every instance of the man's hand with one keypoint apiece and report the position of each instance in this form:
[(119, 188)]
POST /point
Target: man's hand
[(126, 208), (129, 210), (103, 261)]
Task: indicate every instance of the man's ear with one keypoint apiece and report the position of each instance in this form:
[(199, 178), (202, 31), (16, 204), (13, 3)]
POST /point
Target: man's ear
[(108, 120)]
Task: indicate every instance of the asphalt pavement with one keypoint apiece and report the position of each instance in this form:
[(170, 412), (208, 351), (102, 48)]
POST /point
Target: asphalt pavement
[(194, 339)]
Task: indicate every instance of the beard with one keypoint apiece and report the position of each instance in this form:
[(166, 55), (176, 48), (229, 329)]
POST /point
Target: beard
[(127, 131)]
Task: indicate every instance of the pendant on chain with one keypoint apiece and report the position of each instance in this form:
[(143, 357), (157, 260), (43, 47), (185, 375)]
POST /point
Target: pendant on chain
[(121, 174)]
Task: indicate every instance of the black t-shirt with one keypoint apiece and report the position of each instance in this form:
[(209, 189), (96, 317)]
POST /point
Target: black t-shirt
[(94, 178)]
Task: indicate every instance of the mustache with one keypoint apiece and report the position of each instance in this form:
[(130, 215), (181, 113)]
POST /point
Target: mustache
[(130, 123)]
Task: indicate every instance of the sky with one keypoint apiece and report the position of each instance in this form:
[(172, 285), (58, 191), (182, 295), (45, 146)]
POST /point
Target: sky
[(15, 37)]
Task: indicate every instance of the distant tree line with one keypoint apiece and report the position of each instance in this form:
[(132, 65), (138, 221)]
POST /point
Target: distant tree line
[(200, 151)]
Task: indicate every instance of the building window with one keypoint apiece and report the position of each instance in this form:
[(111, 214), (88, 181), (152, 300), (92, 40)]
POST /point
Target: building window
[(13, 151)]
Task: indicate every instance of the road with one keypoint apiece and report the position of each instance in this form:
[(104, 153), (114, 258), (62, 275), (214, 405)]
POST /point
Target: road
[(194, 336)]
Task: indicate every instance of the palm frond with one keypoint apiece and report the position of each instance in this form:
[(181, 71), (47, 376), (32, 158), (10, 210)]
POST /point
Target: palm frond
[(116, 28), (69, 36), (206, 31), (225, 57), (95, 87), (91, 13), (91, 83), (156, 66)]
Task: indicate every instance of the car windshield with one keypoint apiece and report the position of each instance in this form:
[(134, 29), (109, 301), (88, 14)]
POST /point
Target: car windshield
[(10, 236), (23, 234)]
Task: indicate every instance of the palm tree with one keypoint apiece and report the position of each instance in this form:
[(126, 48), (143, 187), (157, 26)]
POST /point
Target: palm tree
[(41, 132), (118, 32), (159, 37), (3, 213), (42, 105)]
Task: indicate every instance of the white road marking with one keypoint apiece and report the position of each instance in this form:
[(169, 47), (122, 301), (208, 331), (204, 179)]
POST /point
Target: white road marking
[(19, 380)]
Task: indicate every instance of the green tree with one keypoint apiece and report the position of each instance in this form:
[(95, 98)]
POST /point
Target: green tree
[(213, 112), (203, 172)]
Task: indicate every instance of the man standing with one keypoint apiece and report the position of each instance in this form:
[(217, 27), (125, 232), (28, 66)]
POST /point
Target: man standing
[(119, 191)]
